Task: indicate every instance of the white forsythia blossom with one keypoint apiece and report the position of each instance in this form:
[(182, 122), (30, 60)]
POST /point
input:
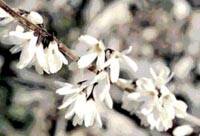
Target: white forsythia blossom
[(96, 50), (79, 106), (5, 18), (182, 130), (81, 99), (154, 104), (49, 60), (117, 60)]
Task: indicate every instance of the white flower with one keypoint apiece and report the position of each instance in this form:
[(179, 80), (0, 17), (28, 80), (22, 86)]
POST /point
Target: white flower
[(35, 18), (55, 58), (79, 105), (96, 50), (5, 18), (118, 60), (182, 130), (181, 9), (102, 88), (49, 60)]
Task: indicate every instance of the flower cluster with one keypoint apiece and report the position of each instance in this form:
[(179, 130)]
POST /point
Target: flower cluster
[(46, 58), (152, 101), (81, 99)]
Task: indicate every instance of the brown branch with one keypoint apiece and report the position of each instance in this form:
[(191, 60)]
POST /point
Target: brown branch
[(41, 31)]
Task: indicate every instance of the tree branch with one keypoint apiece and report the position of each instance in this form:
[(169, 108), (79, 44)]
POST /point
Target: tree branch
[(23, 21)]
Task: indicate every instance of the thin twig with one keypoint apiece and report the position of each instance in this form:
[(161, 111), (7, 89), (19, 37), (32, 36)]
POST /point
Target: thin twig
[(23, 21)]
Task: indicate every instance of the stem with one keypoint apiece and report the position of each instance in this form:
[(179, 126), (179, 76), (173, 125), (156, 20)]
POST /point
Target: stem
[(23, 21)]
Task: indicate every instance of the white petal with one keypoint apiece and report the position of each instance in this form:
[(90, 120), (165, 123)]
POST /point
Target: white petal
[(100, 60), (35, 18), (19, 28), (67, 90), (109, 101), (77, 120), (64, 60), (98, 120), (182, 130), (16, 49), (147, 107), (80, 106), (3, 13), (54, 60), (38, 68), (27, 53), (134, 96), (6, 18), (41, 58), (114, 70), (90, 113), (89, 40), (70, 112), (69, 101), (86, 60), (180, 108), (127, 51), (102, 89), (130, 63), (62, 84)]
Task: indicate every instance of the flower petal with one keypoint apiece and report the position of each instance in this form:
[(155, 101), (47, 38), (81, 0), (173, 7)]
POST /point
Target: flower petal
[(35, 17), (90, 113), (114, 70), (108, 100), (180, 108), (100, 60), (54, 60), (86, 60), (68, 101), (129, 62), (89, 40), (27, 53)]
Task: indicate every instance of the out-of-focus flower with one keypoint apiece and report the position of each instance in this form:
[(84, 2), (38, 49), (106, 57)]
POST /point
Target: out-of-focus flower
[(182, 130), (181, 9), (96, 50), (117, 60)]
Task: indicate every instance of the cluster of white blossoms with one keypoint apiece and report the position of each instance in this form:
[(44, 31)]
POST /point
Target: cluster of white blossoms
[(81, 99), (152, 101), (46, 58), (106, 58)]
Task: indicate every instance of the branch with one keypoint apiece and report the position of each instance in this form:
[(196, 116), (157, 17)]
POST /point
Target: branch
[(23, 21)]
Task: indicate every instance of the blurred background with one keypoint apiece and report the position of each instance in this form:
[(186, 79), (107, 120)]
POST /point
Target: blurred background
[(165, 32)]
